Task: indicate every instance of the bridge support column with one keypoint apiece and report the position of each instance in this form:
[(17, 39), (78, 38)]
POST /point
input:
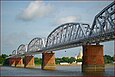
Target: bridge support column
[(48, 61), (29, 62), (12, 61), (93, 60), (19, 62)]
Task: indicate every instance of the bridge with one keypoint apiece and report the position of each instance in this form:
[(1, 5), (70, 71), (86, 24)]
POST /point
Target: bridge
[(70, 35)]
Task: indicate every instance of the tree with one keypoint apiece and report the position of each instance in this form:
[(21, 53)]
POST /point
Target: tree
[(65, 59), (79, 60), (6, 62), (37, 61), (71, 60), (4, 56), (1, 60), (108, 59), (58, 60)]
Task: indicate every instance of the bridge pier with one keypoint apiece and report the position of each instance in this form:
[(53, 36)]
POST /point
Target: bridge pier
[(19, 62), (12, 61), (93, 60), (48, 61), (29, 62)]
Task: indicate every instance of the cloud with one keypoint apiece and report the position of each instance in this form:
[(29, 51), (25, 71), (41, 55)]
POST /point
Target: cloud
[(68, 19), (35, 9)]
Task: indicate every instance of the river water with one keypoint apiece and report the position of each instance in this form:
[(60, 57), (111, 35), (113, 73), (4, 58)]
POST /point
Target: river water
[(60, 71)]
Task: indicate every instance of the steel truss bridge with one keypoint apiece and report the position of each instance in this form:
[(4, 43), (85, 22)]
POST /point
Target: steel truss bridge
[(74, 34)]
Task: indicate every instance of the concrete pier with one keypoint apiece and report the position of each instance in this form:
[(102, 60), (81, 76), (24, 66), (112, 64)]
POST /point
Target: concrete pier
[(19, 62), (48, 61), (29, 62), (12, 61), (93, 60)]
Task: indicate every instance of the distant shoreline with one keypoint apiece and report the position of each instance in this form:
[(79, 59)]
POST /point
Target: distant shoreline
[(79, 65), (70, 65)]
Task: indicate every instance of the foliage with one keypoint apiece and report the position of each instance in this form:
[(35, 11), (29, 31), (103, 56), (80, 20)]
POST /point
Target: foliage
[(58, 60), (6, 62), (65, 59), (79, 60), (37, 61), (3, 58), (108, 59), (72, 59)]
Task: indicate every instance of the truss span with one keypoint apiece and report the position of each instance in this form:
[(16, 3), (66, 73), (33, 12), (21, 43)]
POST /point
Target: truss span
[(104, 21), (103, 26), (35, 44), (14, 52), (66, 33), (21, 49), (77, 34)]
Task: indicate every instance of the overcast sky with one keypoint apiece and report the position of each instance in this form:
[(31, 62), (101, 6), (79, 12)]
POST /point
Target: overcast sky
[(24, 20)]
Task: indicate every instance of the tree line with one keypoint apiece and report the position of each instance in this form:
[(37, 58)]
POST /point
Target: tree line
[(38, 61)]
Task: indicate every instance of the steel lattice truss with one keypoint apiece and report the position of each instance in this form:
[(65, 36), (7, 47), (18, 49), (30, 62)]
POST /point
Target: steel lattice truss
[(14, 52), (35, 44), (104, 21), (103, 26), (21, 49), (75, 34), (78, 34), (67, 33)]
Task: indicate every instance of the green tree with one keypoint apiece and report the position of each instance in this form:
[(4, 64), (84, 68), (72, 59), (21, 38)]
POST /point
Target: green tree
[(79, 60), (4, 56), (6, 62), (1, 60), (58, 60), (71, 60), (65, 59), (108, 59), (37, 61)]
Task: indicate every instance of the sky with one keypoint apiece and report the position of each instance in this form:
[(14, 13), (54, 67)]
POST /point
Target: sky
[(21, 21)]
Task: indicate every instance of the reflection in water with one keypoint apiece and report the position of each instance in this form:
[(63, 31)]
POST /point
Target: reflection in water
[(60, 71), (94, 73)]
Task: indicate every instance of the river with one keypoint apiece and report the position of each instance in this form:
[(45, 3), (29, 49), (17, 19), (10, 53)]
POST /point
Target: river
[(60, 71)]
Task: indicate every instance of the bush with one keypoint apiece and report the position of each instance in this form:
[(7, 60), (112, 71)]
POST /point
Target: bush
[(6, 62), (38, 61), (1, 60), (79, 60), (58, 60), (65, 59), (108, 59), (71, 60)]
